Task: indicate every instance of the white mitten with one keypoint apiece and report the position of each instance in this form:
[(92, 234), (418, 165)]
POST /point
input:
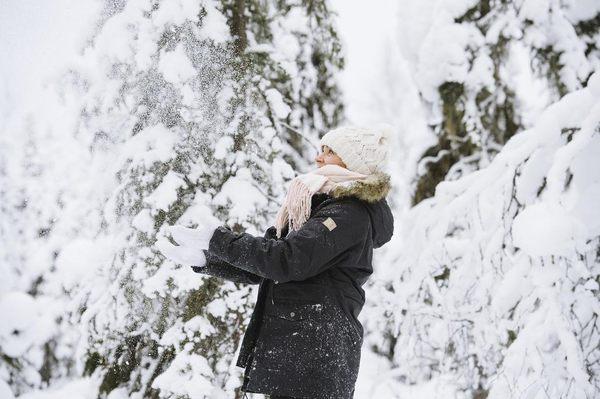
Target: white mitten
[(183, 255), (191, 242), (198, 237)]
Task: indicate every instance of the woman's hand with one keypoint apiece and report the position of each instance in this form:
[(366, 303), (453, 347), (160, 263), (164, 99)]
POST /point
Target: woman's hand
[(192, 242), (180, 254), (196, 238)]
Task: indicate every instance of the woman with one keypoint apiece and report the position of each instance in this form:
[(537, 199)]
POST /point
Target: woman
[(304, 338)]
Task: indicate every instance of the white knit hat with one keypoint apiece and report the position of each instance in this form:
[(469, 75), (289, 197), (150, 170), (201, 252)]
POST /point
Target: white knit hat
[(363, 150)]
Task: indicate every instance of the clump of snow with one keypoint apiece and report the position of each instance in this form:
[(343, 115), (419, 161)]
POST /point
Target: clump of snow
[(217, 307), (5, 391), (214, 23), (198, 210), (18, 330), (153, 144), (81, 259), (166, 193), (175, 65), (175, 12), (170, 280), (241, 196), (223, 147), (144, 221), (80, 388), (275, 99), (189, 374), (546, 229)]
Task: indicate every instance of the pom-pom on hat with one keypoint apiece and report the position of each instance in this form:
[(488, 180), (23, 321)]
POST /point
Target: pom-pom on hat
[(363, 150)]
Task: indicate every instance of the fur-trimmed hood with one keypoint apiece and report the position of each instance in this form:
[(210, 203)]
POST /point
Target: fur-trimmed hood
[(373, 192), (372, 189)]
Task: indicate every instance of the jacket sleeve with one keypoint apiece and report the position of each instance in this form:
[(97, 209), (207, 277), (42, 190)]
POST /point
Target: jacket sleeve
[(328, 234), (217, 267)]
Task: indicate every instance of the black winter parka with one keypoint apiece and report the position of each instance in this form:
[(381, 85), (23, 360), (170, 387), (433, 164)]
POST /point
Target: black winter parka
[(304, 338)]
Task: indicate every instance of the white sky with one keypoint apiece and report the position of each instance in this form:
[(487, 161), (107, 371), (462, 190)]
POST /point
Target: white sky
[(364, 28), (35, 38), (32, 44)]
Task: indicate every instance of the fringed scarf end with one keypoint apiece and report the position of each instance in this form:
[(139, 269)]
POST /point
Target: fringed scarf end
[(297, 212)]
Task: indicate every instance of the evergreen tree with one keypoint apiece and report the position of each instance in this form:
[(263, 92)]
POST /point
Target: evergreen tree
[(478, 66), (174, 109), (495, 281)]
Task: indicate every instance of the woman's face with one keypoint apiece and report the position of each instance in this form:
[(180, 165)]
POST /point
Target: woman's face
[(328, 157)]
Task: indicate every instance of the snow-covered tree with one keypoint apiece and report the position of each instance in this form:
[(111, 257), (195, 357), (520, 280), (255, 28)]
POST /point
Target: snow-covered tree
[(496, 277), (486, 69), (172, 110)]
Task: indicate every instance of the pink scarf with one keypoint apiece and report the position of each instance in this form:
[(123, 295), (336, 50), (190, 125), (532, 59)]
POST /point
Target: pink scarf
[(297, 204)]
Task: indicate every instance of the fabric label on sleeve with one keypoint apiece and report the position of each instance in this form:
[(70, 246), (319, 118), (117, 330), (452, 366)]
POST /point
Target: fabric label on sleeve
[(329, 223)]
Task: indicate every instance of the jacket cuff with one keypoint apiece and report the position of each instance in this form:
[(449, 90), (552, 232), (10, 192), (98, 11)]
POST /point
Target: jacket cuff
[(218, 241)]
